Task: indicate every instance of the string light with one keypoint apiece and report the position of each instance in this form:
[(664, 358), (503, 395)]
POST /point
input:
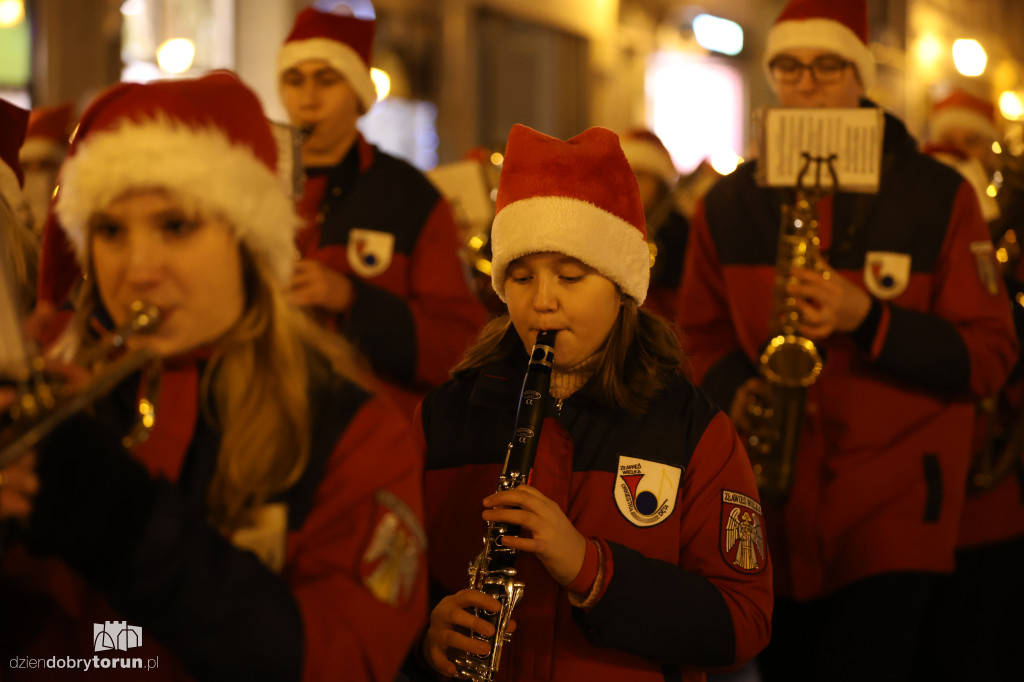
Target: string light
[(176, 55)]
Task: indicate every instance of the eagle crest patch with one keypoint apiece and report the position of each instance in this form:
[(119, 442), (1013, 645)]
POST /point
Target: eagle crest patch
[(988, 271), (393, 559), (742, 535)]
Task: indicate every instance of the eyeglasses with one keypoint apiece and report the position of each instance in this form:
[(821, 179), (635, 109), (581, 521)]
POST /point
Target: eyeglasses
[(824, 69)]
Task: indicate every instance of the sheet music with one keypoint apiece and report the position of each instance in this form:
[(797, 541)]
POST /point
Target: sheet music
[(853, 135), (465, 188)]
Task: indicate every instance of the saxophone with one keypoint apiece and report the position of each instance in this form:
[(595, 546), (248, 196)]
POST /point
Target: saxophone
[(790, 362), (1001, 450), (493, 570)]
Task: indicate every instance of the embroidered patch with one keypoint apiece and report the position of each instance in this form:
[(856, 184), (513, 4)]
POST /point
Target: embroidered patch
[(988, 271), (742, 537), (645, 491), (886, 274), (370, 251), (392, 561)]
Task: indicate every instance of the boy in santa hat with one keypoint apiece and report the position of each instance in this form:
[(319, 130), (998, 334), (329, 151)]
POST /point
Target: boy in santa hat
[(642, 548), (379, 251), (911, 321)]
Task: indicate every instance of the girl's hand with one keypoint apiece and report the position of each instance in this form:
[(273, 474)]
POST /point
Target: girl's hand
[(553, 538), (442, 637)]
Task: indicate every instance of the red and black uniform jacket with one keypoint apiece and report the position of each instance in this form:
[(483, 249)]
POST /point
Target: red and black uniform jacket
[(997, 515), (880, 474), (118, 536), (676, 598), (378, 220)]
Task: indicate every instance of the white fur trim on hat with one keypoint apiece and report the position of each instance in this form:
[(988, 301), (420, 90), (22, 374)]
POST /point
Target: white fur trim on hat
[(201, 167), (821, 34), (42, 149), (339, 56), (577, 228), (954, 117), (644, 156)]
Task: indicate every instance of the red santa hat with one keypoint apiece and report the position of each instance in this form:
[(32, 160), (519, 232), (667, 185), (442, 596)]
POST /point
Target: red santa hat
[(646, 153), (963, 110), (13, 121), (578, 197), (839, 26), (344, 42), (205, 141), (49, 129)]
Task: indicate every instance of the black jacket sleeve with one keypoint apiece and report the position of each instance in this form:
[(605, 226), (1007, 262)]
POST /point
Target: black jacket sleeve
[(225, 614), (698, 630)]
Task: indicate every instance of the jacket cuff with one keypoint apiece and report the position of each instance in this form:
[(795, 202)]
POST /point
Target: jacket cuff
[(866, 333), (584, 593)]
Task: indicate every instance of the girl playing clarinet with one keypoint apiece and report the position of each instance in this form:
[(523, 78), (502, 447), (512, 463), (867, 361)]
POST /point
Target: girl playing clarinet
[(641, 545)]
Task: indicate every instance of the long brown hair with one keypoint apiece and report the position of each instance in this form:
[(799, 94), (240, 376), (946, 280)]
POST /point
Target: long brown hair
[(641, 356), (255, 390)]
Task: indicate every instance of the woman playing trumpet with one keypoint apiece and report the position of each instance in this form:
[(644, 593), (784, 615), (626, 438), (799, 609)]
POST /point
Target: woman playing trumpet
[(254, 534)]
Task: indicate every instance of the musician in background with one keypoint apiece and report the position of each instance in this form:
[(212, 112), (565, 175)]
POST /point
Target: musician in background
[(974, 624), (252, 532), (46, 143), (379, 250), (667, 228), (642, 549), (913, 327)]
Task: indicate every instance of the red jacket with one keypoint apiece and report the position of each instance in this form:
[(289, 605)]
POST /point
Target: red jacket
[(996, 514), (880, 473), (680, 596), (378, 220), (204, 606)]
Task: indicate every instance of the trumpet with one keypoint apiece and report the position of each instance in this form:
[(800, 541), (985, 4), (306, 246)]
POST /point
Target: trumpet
[(42, 405), (790, 362)]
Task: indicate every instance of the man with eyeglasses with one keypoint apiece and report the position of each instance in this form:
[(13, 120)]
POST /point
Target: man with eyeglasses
[(912, 326)]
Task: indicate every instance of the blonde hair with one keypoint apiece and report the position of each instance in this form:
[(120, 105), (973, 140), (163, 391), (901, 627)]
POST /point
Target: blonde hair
[(255, 389), (641, 356), (19, 248)]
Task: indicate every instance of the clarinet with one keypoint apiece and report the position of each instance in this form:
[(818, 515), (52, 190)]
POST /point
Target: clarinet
[(493, 570)]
